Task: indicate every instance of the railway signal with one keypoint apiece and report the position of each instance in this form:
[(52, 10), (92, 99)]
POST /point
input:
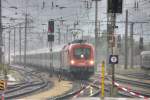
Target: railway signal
[(51, 26), (51, 40), (51, 37), (114, 6), (51, 30)]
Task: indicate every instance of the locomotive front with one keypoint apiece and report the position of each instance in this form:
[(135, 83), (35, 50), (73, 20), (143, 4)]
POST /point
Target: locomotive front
[(82, 59)]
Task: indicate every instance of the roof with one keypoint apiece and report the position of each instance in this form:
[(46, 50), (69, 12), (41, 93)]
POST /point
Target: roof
[(145, 52)]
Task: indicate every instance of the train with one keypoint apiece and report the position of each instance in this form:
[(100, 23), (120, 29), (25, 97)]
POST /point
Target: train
[(145, 60), (76, 58)]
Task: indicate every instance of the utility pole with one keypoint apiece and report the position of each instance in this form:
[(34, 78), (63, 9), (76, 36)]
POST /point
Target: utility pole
[(74, 34), (126, 41), (20, 42), (111, 20), (59, 36), (96, 33), (5, 70), (131, 44), (98, 30), (67, 33), (112, 52), (51, 40), (64, 34), (1, 53), (14, 44), (114, 6), (9, 48), (25, 40), (4, 47), (51, 57), (111, 43)]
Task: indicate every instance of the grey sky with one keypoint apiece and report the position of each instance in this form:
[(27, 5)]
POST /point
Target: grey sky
[(71, 11)]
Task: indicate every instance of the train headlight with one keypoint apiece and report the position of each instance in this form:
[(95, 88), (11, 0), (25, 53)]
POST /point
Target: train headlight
[(72, 62), (91, 62), (82, 56)]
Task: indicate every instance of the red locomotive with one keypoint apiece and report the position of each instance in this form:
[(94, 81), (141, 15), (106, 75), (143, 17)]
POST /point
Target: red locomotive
[(78, 58)]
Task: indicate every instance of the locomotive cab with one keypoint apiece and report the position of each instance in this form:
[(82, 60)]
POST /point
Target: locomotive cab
[(81, 59)]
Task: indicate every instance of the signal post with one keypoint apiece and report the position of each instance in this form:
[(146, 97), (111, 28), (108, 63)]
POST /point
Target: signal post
[(51, 40), (114, 6)]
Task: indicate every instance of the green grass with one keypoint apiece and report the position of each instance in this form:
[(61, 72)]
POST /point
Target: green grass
[(5, 70)]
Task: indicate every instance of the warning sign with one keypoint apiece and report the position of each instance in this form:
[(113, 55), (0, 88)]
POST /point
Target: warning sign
[(113, 59)]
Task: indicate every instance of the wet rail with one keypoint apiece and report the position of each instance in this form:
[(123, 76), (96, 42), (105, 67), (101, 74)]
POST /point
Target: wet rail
[(32, 83)]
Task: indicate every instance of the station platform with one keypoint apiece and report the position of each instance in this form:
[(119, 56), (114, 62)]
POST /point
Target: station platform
[(107, 98)]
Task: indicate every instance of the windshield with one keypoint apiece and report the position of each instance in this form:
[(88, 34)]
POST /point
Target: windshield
[(81, 53)]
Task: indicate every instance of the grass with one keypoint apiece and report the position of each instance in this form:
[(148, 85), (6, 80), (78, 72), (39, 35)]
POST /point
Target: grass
[(5, 70), (16, 75)]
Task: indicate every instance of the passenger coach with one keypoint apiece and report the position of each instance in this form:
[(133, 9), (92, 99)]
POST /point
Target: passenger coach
[(75, 58)]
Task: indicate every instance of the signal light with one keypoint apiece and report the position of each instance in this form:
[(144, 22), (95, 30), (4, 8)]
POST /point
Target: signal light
[(114, 6), (51, 26), (82, 55), (72, 62), (91, 62)]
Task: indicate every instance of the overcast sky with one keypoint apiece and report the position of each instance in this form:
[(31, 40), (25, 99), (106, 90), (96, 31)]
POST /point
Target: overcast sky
[(72, 11), (40, 11)]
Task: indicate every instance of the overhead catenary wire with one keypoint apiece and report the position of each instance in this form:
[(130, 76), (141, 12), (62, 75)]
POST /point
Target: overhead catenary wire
[(68, 18)]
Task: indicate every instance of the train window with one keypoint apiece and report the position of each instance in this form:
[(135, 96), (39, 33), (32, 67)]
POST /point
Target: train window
[(146, 57), (82, 53)]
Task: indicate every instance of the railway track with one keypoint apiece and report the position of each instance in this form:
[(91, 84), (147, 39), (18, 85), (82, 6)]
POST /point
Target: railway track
[(139, 76), (143, 86), (84, 92), (135, 83), (80, 89), (30, 85), (24, 90), (132, 88), (139, 80), (108, 89), (87, 88), (129, 93)]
